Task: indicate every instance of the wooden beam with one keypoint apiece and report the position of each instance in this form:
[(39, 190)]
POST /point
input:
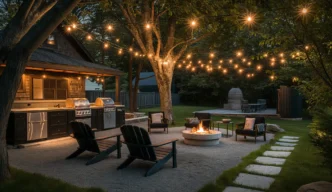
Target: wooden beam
[(117, 89)]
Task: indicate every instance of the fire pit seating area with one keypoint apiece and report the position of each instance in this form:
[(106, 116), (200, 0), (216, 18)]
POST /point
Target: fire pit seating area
[(252, 127), (157, 120), (205, 118)]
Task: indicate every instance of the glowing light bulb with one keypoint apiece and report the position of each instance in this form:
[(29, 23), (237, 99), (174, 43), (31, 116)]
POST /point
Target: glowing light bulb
[(239, 54), (148, 26), (109, 27), (44, 76), (87, 77), (188, 56), (193, 23), (211, 55), (231, 61), (74, 26), (117, 40), (89, 37), (106, 45), (120, 51), (68, 29), (220, 61)]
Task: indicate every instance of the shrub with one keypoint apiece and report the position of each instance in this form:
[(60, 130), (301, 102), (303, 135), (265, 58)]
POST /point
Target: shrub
[(321, 132)]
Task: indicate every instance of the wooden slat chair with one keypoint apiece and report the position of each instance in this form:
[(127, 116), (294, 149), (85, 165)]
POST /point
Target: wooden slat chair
[(87, 142), (140, 147), (251, 133)]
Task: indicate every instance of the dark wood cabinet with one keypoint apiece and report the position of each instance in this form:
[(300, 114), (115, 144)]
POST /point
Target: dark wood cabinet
[(97, 119), (120, 116), (70, 117), (17, 128), (57, 124)]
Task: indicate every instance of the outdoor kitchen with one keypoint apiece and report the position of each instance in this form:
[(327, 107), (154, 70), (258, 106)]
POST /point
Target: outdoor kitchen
[(52, 93)]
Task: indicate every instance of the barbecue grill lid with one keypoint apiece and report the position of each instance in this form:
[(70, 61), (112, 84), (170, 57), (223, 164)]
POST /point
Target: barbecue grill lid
[(77, 102), (104, 101)]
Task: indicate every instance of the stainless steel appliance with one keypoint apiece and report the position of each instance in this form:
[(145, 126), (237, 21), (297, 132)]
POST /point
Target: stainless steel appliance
[(37, 126), (82, 109), (109, 111)]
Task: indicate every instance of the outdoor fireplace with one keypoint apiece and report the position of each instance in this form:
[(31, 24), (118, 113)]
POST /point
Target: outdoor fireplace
[(201, 136)]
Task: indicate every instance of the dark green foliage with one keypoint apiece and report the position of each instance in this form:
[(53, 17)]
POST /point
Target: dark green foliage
[(321, 132), (32, 182)]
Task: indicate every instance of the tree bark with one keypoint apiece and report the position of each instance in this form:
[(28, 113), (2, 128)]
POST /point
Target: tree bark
[(137, 79), (130, 84), (17, 58)]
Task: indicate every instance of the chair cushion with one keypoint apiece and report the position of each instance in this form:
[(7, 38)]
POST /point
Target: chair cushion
[(156, 117), (249, 124), (193, 120), (158, 125), (260, 127)]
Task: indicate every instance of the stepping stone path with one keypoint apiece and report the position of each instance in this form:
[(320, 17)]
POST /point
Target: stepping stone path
[(270, 160), (269, 164), (263, 169), (278, 148), (286, 144)]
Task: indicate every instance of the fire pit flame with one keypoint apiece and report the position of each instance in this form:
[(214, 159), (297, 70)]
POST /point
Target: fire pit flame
[(200, 129)]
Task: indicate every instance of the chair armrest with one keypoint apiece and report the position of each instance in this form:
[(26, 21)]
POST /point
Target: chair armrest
[(155, 145), (239, 125), (165, 120), (164, 143), (103, 138)]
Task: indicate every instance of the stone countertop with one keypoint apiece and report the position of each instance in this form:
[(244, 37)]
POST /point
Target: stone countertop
[(42, 109)]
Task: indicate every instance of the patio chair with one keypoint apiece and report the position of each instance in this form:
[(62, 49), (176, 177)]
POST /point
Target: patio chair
[(140, 147), (245, 107), (87, 142), (258, 128), (157, 120), (204, 117)]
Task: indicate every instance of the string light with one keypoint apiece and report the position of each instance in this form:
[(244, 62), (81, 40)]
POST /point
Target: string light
[(240, 71), (199, 61), (44, 76), (259, 67), (211, 55), (89, 37), (298, 53), (272, 77), (193, 69), (79, 78), (244, 60), (130, 49), (188, 56), (120, 52), (265, 55), (87, 77), (307, 47), (69, 29), (220, 61), (109, 27), (249, 19), (102, 80), (231, 61), (74, 26), (193, 23), (281, 55), (304, 10), (224, 71), (239, 54), (106, 45), (249, 63), (219, 67), (148, 26), (117, 40), (283, 61), (236, 66), (272, 64)]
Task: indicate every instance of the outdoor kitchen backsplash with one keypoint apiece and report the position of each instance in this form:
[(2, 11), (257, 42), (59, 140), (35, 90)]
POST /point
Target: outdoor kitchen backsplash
[(76, 88)]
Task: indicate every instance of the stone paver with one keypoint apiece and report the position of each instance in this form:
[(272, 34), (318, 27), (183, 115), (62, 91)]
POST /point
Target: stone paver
[(289, 140), (286, 144), (260, 182), (290, 137), (278, 148), (239, 189), (270, 160), (276, 153), (263, 169)]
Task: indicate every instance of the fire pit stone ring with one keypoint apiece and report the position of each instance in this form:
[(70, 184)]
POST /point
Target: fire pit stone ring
[(208, 139)]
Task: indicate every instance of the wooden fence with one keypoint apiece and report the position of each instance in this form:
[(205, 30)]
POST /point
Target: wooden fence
[(144, 99)]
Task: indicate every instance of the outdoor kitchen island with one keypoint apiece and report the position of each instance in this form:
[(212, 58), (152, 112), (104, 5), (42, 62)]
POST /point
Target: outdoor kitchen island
[(52, 92)]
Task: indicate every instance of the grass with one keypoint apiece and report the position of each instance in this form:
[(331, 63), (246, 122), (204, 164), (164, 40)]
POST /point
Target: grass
[(303, 166), (31, 182)]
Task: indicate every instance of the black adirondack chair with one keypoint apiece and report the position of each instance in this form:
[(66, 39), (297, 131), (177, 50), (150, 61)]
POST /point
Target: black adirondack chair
[(140, 147), (87, 142)]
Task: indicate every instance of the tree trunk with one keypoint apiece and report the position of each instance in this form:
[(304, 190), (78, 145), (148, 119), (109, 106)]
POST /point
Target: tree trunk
[(130, 84), (138, 73), (164, 75), (9, 83)]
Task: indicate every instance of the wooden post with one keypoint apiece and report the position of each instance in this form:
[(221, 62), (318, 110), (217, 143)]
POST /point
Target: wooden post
[(117, 88)]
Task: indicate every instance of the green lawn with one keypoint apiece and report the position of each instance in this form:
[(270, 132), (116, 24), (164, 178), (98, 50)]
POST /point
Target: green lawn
[(30, 182), (304, 165)]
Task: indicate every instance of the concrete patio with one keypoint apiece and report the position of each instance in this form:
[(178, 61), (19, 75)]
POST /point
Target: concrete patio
[(226, 112), (196, 165)]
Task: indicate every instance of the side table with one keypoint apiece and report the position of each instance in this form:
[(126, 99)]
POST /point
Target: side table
[(227, 123)]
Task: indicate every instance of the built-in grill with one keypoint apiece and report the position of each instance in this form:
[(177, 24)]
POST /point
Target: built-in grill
[(82, 109), (109, 111)]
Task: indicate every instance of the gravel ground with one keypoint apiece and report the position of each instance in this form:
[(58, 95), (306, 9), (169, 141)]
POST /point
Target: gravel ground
[(196, 165)]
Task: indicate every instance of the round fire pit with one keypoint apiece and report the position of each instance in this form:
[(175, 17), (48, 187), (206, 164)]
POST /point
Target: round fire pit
[(209, 138)]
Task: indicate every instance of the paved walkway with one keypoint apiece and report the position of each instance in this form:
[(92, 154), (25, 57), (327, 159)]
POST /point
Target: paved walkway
[(196, 165), (261, 174)]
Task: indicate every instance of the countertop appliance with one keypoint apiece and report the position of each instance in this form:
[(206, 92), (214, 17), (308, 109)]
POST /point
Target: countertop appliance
[(37, 126), (82, 109), (109, 111)]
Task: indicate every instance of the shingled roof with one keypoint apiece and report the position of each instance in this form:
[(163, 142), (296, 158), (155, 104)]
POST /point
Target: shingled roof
[(47, 58)]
